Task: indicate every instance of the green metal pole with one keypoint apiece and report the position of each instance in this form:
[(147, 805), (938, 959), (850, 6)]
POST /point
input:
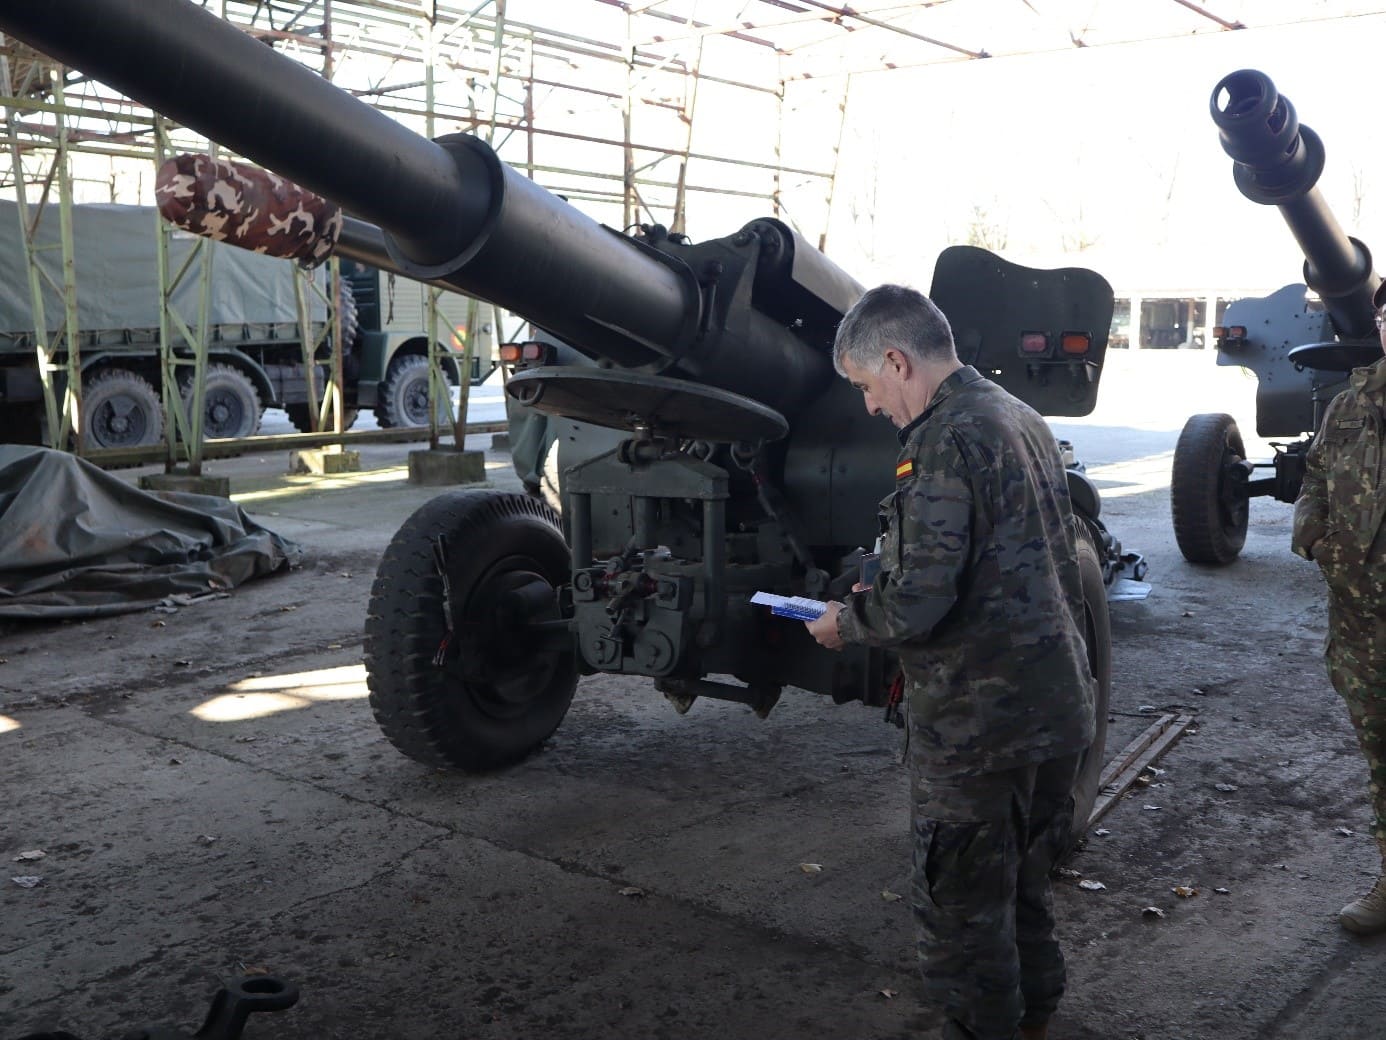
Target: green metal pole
[(184, 415), (437, 382), (308, 339), (43, 352)]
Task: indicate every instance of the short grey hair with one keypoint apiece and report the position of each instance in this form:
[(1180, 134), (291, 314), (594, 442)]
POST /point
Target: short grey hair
[(892, 316)]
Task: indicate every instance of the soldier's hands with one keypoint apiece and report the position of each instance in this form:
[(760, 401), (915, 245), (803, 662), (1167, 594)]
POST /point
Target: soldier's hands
[(824, 629)]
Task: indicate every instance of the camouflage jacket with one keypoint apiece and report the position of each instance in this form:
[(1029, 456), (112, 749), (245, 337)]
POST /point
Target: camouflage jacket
[(1342, 505), (979, 590)]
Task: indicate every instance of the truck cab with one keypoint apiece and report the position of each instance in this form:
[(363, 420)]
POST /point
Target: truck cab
[(386, 343)]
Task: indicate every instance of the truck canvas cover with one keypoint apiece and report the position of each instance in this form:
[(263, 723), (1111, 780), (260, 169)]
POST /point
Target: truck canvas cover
[(115, 255)]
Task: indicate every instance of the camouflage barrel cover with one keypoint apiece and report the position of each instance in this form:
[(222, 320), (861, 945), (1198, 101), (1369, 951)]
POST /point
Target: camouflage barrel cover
[(247, 206)]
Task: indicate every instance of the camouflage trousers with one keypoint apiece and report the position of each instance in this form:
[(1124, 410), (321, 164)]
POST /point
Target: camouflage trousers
[(1358, 672), (983, 850)]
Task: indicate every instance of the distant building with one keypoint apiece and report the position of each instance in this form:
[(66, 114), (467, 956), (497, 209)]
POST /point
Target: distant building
[(1169, 319), (1165, 303)]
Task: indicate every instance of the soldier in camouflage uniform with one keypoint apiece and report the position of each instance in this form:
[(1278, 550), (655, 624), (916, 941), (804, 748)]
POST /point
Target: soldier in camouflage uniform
[(1340, 524), (979, 595)]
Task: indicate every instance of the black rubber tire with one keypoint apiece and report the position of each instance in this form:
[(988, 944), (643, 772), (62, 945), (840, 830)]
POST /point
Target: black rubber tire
[(350, 318), (299, 416), (230, 403), (491, 702), (120, 409), (402, 397), (350, 326), (550, 487), (1098, 625), (1210, 509)]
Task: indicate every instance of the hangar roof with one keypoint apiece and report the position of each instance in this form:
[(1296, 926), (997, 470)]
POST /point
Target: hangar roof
[(596, 98), (815, 38), (818, 36)]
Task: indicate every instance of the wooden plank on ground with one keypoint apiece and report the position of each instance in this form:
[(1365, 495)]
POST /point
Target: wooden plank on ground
[(1121, 772)]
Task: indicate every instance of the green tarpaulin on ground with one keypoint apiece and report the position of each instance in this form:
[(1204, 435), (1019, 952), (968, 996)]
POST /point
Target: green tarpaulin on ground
[(76, 542)]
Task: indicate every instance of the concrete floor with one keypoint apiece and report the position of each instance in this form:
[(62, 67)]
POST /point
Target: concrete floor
[(213, 798)]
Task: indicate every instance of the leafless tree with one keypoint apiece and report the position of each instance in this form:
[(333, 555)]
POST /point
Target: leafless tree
[(986, 230)]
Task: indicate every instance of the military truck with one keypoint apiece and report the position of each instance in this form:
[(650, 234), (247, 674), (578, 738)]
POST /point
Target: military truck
[(255, 356), (386, 364)]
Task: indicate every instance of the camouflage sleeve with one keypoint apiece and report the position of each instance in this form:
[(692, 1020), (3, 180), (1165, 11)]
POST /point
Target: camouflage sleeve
[(922, 566), (249, 207), (1311, 507)]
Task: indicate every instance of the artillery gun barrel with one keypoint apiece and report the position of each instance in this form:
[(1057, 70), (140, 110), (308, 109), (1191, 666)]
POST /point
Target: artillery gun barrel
[(183, 62), (451, 210), (1277, 162)]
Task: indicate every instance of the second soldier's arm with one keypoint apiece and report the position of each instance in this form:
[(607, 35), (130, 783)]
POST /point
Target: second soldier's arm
[(1311, 507), (933, 520)]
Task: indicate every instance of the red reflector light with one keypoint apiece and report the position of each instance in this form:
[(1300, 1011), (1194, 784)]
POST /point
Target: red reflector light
[(1219, 332), (1034, 343), (1075, 344), (530, 350), (1237, 332)]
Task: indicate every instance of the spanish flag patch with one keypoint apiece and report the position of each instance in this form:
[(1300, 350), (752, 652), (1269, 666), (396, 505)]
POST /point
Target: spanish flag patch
[(904, 470)]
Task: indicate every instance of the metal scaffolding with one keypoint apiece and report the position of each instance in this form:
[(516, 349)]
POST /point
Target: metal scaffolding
[(608, 125)]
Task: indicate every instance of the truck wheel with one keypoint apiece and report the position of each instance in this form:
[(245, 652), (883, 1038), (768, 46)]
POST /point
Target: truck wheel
[(120, 409), (402, 397), (1098, 632), (230, 403), (1208, 498), (298, 415), (493, 698), (349, 316)]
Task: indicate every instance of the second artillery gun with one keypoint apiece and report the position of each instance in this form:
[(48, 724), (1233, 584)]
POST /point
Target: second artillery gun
[(1300, 348), (707, 453)]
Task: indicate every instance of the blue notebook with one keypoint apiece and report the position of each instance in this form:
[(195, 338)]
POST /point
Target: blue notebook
[(799, 608)]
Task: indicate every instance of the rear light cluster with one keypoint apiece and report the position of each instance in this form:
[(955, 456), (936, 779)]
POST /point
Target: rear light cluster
[(528, 353), (1041, 345), (1229, 332)]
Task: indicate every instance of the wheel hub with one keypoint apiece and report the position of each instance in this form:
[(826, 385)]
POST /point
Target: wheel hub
[(118, 422), (509, 670), (416, 403)]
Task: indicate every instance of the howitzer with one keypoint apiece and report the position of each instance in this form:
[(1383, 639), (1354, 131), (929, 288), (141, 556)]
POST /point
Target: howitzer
[(1300, 350), (707, 452)]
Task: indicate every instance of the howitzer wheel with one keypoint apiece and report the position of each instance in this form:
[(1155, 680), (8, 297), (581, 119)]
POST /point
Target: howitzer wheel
[(492, 697), (1208, 492), (1098, 633)]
